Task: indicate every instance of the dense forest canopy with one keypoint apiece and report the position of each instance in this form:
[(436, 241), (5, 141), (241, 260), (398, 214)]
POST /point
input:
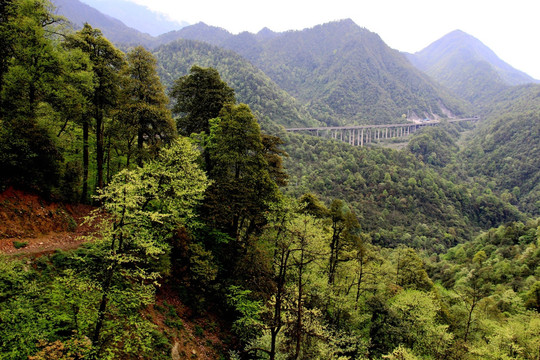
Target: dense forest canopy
[(210, 228), (270, 103), (506, 147)]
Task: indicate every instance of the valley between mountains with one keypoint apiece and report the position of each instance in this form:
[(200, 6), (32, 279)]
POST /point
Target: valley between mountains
[(153, 204)]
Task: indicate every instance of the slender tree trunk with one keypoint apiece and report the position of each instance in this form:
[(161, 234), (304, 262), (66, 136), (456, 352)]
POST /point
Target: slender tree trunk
[(140, 143), (469, 319), (108, 176), (108, 281), (102, 307), (334, 253), (84, 195), (299, 307), (276, 323), (358, 286), (99, 147)]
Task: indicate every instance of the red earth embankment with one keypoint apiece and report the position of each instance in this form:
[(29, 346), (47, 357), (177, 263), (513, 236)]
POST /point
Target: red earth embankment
[(35, 225)]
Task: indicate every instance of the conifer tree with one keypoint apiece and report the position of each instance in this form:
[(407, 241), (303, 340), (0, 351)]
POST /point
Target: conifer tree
[(143, 107), (199, 97), (107, 62), (242, 186)]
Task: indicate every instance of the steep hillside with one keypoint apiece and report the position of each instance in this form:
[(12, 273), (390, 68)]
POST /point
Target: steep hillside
[(506, 147), (347, 75), (31, 224), (397, 197), (270, 104), (79, 13), (343, 73), (468, 67)]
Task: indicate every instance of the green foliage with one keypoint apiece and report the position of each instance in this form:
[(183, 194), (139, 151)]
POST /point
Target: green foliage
[(505, 147), (143, 110), (417, 313), (401, 353), (144, 206), (19, 244), (28, 156), (199, 96), (434, 146), (411, 271), (396, 197), (248, 323), (467, 67), (242, 187), (106, 63), (268, 101)]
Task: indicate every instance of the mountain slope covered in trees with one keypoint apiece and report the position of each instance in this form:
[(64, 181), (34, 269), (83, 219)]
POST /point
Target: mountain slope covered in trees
[(506, 146), (271, 104), (395, 195), (79, 13), (344, 73), (467, 67)]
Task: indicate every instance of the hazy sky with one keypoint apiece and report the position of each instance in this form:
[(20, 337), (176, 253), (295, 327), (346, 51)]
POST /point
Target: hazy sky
[(511, 28)]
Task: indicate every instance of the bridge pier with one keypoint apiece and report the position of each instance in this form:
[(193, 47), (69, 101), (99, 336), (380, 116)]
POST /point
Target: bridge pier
[(367, 134)]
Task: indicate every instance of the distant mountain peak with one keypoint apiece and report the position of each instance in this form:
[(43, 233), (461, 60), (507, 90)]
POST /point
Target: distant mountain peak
[(137, 16), (266, 33), (465, 65), (78, 13)]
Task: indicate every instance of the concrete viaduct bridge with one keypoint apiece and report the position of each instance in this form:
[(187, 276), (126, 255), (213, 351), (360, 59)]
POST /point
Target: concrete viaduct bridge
[(360, 135)]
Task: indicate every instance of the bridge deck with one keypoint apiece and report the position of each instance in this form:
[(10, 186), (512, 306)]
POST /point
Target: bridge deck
[(353, 127)]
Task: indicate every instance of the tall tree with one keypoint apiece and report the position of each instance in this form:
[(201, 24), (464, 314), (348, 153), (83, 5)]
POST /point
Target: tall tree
[(296, 240), (31, 73), (7, 35), (473, 288), (144, 103), (30, 61), (199, 97), (144, 207), (344, 225), (242, 187), (107, 62)]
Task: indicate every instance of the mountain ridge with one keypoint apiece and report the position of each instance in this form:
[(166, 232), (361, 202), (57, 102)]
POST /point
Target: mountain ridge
[(115, 30), (466, 66), (271, 104), (348, 74), (137, 16)]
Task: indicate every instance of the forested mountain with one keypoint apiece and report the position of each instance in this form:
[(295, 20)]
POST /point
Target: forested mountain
[(270, 103), (466, 66), (344, 73), (141, 223), (137, 16), (506, 146), (200, 31), (79, 13), (397, 197)]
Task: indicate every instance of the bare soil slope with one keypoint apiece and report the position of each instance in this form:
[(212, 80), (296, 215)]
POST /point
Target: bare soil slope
[(36, 225)]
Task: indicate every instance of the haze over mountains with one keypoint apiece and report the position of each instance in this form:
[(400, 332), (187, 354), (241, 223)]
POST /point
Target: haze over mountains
[(137, 16), (336, 73), (220, 234), (115, 30), (465, 65)]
